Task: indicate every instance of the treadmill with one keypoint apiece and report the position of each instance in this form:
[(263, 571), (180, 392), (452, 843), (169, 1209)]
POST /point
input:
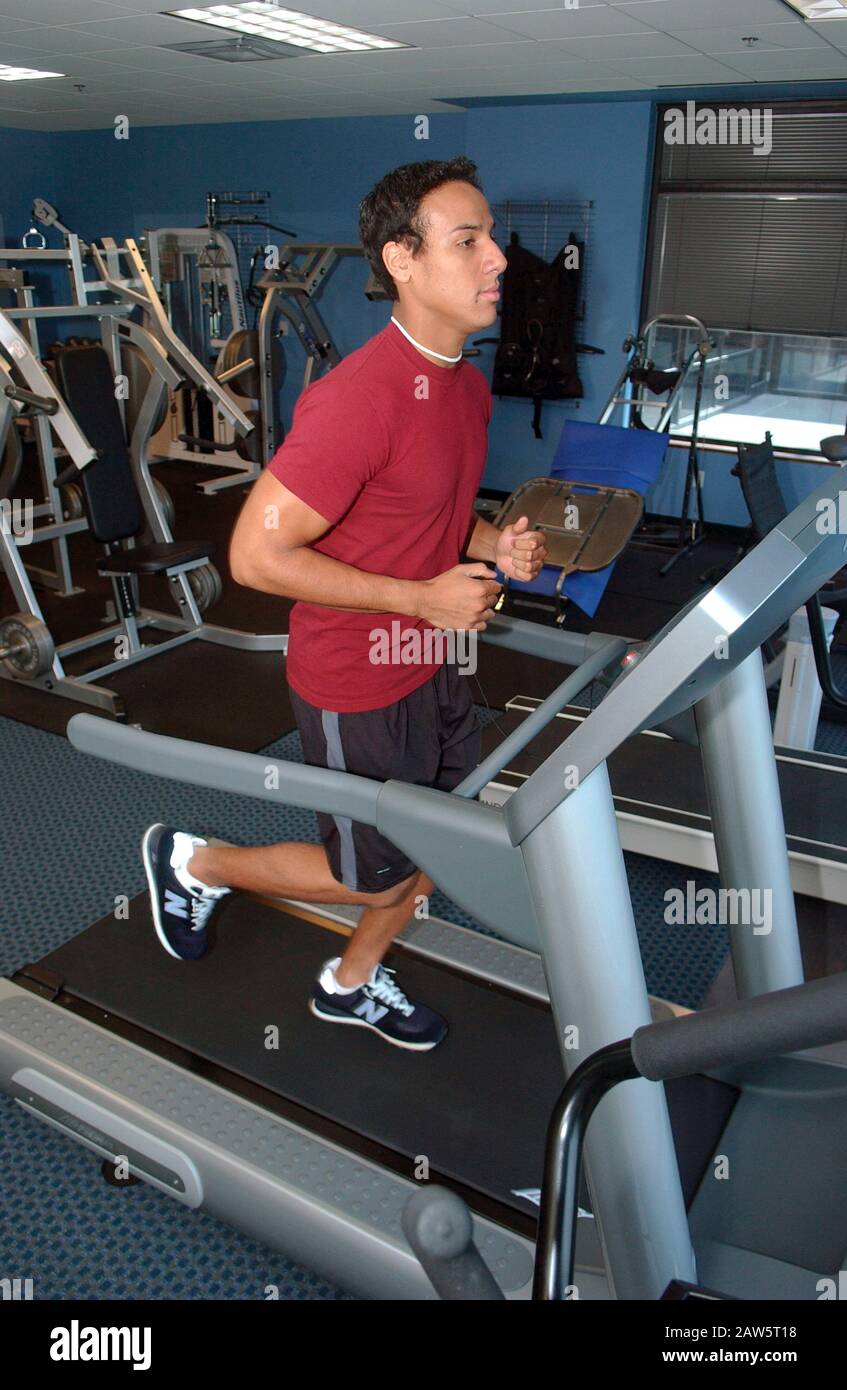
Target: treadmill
[(223, 1092), (662, 806)]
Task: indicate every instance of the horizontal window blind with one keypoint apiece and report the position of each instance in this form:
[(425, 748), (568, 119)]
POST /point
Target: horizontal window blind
[(755, 241)]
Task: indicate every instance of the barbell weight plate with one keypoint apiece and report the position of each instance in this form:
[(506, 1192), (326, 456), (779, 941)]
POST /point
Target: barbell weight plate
[(166, 502), (206, 586), (249, 446), (13, 457), (27, 645), (72, 503), (239, 346)]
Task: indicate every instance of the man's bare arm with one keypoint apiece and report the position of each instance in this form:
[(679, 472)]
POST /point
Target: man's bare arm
[(482, 540), (271, 550)]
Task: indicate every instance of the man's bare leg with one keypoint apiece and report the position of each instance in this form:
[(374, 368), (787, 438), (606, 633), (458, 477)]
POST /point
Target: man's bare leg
[(377, 928), (301, 871)]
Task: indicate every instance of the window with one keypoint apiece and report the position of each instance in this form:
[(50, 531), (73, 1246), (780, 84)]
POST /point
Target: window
[(752, 240)]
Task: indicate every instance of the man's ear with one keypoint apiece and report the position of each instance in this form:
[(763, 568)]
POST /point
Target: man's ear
[(396, 256)]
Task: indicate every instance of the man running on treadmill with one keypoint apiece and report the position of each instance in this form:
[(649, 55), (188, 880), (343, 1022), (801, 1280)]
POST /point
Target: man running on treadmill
[(362, 516)]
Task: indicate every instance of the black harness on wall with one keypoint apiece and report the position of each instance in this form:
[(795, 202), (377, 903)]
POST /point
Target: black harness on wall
[(536, 355)]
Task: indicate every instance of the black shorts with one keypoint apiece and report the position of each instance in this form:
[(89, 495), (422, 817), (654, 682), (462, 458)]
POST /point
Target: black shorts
[(430, 738)]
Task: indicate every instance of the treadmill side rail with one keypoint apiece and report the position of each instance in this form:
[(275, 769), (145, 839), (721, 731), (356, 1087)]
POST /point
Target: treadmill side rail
[(100, 1129), (321, 1205)]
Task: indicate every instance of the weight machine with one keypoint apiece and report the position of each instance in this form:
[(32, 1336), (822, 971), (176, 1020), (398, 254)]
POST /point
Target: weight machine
[(195, 270), (107, 284), (117, 494), (291, 291)]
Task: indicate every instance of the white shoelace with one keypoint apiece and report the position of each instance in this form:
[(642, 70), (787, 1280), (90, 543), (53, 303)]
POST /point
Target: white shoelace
[(384, 989)]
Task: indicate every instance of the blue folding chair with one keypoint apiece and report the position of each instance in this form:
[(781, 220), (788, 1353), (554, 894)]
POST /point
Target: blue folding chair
[(619, 462)]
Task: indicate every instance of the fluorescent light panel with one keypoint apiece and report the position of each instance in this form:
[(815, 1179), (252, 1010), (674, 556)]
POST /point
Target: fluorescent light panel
[(9, 74), (815, 10), (270, 21)]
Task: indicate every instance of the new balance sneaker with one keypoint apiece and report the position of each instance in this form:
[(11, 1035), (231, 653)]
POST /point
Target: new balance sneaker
[(378, 1004), (181, 903)]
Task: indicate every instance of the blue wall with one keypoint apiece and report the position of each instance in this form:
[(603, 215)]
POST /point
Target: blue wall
[(600, 152), (27, 161), (317, 171)]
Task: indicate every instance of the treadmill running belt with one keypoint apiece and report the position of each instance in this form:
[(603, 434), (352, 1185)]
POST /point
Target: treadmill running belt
[(476, 1107)]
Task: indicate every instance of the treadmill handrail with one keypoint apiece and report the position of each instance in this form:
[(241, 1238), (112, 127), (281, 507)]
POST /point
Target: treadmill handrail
[(314, 788), (517, 740), (245, 774), (697, 650), (813, 1014)]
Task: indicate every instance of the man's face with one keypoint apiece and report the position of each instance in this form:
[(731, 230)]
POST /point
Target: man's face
[(454, 277)]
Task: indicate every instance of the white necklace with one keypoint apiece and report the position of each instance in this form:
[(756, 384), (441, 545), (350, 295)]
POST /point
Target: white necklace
[(420, 346)]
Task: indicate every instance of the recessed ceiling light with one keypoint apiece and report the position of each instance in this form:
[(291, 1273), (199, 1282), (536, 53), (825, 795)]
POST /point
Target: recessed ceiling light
[(9, 74), (267, 20), (815, 10)]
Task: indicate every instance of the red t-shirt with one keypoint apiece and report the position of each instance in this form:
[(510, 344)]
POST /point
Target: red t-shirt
[(391, 449)]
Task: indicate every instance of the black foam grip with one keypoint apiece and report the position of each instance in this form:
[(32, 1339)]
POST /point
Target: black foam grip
[(770, 1025)]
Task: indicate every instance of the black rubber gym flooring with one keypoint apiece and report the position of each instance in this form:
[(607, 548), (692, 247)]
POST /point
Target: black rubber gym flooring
[(220, 695)]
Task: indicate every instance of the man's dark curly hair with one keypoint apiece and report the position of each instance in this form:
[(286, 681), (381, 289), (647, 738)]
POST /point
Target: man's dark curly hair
[(390, 212)]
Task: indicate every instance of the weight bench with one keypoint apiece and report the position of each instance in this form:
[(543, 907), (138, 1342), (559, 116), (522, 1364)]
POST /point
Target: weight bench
[(117, 515)]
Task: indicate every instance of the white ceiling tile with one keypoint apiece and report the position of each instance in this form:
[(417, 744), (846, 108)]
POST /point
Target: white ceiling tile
[(493, 9), (360, 105), (543, 85), (361, 14), (672, 71), (402, 61), (70, 11), (149, 59), (363, 64), (448, 33), (675, 15), (11, 26), (32, 93), (21, 55), (50, 121), (147, 30), (796, 64), (560, 23), (352, 84), (771, 36), (835, 33), (32, 99), (13, 119), (647, 44), (72, 65), (58, 42)]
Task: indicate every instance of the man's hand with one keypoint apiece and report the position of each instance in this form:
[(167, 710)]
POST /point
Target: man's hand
[(520, 553), (462, 599)]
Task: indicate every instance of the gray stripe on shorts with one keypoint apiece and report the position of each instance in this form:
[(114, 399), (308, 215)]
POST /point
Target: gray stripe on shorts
[(331, 726)]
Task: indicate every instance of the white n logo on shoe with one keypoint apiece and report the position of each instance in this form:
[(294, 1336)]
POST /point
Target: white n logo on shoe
[(370, 1011), (175, 904)]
